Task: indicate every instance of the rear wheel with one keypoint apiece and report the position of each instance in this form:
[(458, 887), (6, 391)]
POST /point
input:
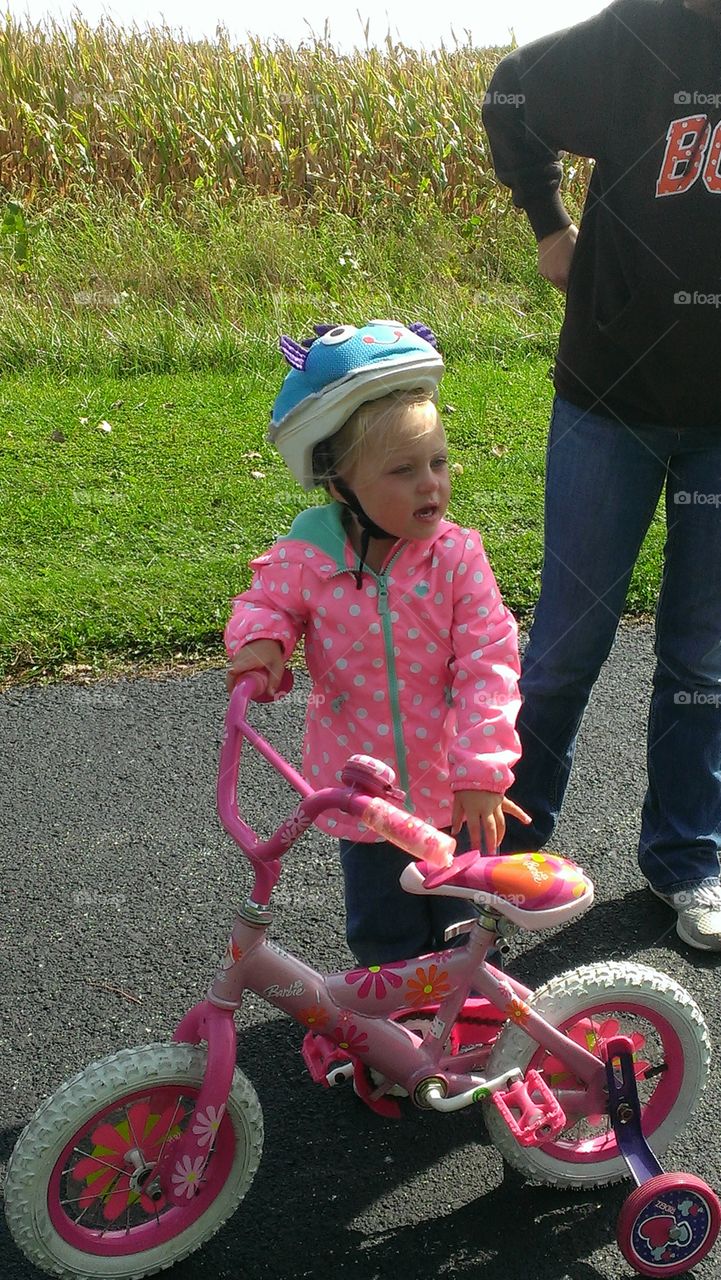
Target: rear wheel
[(591, 1005), (77, 1192)]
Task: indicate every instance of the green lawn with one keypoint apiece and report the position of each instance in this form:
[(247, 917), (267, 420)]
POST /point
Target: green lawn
[(127, 544)]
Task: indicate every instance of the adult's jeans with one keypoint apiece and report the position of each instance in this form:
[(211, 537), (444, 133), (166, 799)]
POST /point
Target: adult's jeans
[(603, 483)]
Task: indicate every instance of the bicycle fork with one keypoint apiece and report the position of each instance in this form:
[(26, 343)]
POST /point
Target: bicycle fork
[(211, 1020)]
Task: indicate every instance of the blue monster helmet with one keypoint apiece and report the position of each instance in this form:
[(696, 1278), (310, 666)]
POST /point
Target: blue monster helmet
[(339, 370)]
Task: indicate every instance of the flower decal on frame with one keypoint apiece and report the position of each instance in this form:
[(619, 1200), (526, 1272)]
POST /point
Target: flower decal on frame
[(429, 983), (296, 825), (187, 1176), (518, 1011), (232, 955), (314, 1017), (351, 1039), (376, 979)]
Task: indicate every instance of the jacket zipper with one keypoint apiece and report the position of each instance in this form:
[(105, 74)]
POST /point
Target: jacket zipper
[(385, 616), (387, 625)]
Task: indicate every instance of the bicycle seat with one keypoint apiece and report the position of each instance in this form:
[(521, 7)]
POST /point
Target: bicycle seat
[(534, 890)]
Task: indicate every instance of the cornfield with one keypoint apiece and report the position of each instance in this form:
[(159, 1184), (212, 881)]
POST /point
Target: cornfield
[(145, 113)]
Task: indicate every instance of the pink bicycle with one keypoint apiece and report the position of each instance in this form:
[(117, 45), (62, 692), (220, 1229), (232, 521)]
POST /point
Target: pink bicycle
[(139, 1159)]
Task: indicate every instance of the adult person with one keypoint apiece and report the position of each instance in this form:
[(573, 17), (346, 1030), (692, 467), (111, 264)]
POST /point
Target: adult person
[(637, 406)]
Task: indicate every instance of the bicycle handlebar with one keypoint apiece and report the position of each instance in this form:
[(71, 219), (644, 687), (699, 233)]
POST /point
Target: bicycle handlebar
[(409, 833)]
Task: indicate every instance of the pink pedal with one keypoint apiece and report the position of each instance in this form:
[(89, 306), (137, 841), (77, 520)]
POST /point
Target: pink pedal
[(319, 1055), (531, 1111), (387, 1107)]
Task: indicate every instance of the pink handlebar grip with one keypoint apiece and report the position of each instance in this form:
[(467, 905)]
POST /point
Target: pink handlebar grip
[(409, 833)]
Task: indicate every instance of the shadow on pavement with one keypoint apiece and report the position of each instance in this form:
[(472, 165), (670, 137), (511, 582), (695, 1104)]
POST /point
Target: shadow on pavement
[(341, 1191)]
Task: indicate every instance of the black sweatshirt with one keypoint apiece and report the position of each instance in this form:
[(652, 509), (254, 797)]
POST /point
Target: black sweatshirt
[(638, 89)]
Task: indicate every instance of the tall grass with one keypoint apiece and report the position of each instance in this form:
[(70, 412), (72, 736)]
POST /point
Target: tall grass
[(111, 288), (145, 113), (172, 204)]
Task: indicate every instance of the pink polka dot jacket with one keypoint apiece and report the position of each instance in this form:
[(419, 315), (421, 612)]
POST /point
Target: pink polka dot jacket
[(418, 668)]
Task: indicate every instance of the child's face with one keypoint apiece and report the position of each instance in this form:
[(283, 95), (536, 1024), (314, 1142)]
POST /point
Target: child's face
[(407, 489)]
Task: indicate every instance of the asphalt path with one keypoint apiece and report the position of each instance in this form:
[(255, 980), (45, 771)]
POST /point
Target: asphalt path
[(118, 882)]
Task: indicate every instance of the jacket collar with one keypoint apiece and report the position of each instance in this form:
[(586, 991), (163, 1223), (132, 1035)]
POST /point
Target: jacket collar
[(322, 527)]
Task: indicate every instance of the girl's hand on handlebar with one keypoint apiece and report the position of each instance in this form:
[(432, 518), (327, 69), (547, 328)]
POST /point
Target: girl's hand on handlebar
[(259, 655), (483, 813)]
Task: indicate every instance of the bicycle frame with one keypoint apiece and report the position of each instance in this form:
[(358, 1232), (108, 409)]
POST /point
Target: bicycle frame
[(355, 1007)]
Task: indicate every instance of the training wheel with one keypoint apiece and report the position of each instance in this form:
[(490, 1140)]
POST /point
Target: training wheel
[(668, 1224)]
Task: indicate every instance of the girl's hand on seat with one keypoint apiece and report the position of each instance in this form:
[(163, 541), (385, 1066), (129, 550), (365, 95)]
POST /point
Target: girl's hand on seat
[(483, 813)]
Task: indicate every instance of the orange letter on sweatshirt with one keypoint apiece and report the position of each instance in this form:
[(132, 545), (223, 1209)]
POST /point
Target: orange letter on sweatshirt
[(712, 172), (687, 140)]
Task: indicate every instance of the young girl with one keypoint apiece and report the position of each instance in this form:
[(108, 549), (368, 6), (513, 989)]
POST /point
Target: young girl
[(412, 653)]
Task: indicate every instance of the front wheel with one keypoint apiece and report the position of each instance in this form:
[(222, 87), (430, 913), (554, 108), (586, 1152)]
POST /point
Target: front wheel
[(74, 1195), (592, 1005)]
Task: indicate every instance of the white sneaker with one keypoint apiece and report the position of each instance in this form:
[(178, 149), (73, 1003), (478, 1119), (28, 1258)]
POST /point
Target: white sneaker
[(699, 914)]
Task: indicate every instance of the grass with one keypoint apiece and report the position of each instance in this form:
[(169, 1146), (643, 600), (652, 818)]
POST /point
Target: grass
[(124, 290), (129, 544)]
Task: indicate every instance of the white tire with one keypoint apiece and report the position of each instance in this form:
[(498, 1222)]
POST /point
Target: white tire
[(657, 1000), (71, 1109)]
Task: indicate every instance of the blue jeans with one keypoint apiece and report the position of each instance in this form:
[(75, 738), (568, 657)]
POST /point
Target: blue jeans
[(383, 922), (603, 483)]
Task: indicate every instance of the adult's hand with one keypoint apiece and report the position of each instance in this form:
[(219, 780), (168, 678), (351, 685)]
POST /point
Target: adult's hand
[(555, 254)]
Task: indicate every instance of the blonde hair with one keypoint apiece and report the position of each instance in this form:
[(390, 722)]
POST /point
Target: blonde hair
[(377, 426)]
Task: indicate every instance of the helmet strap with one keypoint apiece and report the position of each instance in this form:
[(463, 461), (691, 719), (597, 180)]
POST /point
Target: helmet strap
[(369, 528)]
